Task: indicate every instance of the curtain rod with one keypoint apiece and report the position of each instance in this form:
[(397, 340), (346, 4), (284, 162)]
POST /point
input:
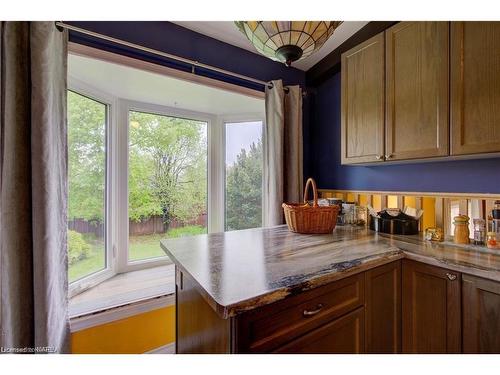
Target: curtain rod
[(193, 63)]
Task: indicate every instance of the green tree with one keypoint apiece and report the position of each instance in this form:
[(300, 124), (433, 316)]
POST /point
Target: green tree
[(167, 161), (86, 157), (244, 189)]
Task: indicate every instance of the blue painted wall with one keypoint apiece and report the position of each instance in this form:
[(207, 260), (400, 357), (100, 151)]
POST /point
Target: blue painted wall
[(467, 176), (174, 39)]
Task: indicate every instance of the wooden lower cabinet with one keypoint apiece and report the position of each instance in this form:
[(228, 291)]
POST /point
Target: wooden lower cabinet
[(481, 315), (334, 318), (302, 318), (383, 308), (431, 309), (345, 335), (199, 329), (403, 306)]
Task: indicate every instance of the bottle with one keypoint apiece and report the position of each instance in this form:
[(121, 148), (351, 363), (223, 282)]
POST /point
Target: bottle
[(461, 233), (495, 212), (479, 231), (495, 218)]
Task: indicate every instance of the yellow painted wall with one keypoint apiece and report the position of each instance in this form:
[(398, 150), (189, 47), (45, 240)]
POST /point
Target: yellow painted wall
[(429, 217), (363, 200), (410, 201), (133, 335), (392, 201)]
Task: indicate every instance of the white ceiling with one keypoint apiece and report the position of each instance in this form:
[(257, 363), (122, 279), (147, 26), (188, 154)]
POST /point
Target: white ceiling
[(226, 31), (139, 85)]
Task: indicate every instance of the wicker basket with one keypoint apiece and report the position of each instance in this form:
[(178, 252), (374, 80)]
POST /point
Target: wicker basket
[(315, 219)]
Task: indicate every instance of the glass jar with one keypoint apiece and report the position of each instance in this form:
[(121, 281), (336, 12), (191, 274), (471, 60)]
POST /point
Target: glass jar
[(360, 215), (491, 240), (461, 233), (479, 231), (348, 208)]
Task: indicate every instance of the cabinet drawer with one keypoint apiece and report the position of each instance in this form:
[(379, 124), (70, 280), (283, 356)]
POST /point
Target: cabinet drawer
[(278, 323), (345, 335)]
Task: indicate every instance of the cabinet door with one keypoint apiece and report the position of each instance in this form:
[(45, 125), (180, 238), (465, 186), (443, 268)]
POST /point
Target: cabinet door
[(383, 308), (475, 87), (417, 124), (481, 315), (199, 329), (363, 102), (431, 309), (344, 335)]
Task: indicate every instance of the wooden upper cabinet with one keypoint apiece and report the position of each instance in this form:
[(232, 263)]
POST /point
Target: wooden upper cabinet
[(475, 87), (431, 309), (481, 315), (417, 121), (363, 102)]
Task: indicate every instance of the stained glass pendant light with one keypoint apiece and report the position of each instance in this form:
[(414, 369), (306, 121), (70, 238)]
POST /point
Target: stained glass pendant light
[(287, 41)]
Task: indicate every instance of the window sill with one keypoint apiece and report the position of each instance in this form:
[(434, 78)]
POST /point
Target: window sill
[(122, 296)]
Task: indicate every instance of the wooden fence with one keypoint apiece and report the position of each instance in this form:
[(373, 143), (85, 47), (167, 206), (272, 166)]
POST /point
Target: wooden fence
[(152, 225)]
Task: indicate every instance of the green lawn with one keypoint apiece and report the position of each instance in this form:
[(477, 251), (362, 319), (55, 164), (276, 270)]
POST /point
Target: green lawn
[(140, 247)]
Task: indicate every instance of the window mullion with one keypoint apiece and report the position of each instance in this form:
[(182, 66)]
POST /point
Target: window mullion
[(216, 176), (121, 189)]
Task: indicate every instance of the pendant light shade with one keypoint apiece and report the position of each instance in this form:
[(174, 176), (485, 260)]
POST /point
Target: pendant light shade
[(287, 41)]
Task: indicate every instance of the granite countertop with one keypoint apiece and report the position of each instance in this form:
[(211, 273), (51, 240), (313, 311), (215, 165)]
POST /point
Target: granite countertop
[(242, 270)]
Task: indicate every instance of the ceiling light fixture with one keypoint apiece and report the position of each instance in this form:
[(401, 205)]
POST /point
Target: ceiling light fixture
[(287, 41)]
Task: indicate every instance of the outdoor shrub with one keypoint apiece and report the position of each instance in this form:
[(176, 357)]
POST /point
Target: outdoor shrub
[(77, 247)]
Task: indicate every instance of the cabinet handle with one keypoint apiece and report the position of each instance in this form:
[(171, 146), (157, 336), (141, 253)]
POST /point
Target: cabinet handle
[(451, 276), (313, 312), (389, 156), (379, 157)]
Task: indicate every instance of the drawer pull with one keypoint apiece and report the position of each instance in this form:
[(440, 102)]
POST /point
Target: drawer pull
[(451, 276), (313, 312)]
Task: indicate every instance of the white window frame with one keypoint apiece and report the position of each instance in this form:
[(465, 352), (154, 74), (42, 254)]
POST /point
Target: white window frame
[(117, 160), (124, 107), (234, 119), (110, 101)]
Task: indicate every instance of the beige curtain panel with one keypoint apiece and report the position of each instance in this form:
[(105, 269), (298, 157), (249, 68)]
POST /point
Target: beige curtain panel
[(33, 188), (283, 172)]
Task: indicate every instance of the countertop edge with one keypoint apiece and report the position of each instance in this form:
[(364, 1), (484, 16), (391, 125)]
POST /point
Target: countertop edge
[(218, 308), (469, 270), (315, 282), (233, 309)]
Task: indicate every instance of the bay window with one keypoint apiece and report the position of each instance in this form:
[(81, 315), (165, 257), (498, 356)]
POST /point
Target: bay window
[(140, 172)]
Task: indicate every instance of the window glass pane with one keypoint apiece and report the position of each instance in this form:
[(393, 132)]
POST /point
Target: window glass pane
[(454, 211), (167, 181), (87, 182), (243, 175)]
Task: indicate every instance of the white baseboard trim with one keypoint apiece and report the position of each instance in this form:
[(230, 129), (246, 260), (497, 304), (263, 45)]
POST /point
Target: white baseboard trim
[(121, 312), (165, 349)]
